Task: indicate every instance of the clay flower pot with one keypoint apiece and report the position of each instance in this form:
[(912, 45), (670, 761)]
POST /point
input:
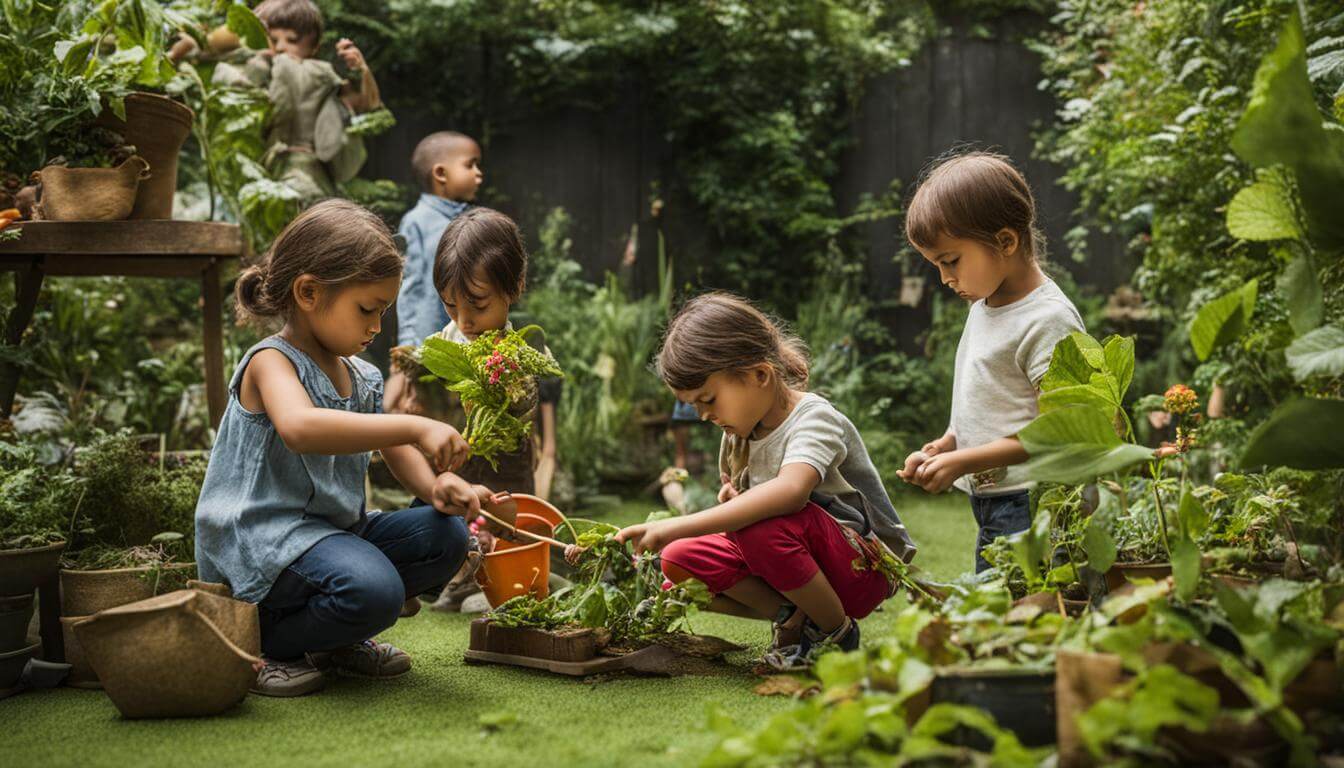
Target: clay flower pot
[(156, 126), (24, 570)]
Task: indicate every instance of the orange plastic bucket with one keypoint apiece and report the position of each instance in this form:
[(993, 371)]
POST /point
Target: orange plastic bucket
[(517, 568), (532, 505)]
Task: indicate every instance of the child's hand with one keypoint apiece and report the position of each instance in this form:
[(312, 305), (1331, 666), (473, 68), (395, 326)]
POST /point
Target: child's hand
[(912, 465), (444, 446), (573, 552), (350, 54), (941, 445), (937, 474), (649, 537), (455, 496), (728, 491)]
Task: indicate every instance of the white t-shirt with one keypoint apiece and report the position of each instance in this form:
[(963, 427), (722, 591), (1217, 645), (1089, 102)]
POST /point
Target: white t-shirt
[(1003, 353), (816, 434)]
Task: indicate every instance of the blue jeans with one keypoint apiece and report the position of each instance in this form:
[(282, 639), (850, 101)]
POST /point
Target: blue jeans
[(351, 585), (999, 516)]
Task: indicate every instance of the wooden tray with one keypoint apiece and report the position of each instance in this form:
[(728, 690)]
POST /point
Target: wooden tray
[(569, 652)]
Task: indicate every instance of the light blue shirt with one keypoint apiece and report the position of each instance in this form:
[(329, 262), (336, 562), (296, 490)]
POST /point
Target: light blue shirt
[(420, 311), (262, 505)]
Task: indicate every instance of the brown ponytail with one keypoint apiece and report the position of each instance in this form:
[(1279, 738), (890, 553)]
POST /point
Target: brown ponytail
[(722, 332), (335, 241)]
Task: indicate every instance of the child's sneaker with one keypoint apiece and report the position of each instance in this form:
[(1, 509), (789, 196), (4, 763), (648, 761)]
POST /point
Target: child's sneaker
[(288, 678), (366, 659), (783, 641), (815, 642)]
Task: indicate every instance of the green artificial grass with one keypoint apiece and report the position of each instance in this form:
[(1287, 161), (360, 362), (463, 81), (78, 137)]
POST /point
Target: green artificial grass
[(434, 715)]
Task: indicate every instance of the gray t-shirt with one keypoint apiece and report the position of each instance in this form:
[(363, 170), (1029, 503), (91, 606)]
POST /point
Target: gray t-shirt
[(816, 434), (1003, 353)]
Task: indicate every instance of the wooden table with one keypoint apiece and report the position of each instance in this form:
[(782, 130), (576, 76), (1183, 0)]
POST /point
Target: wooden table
[(151, 248)]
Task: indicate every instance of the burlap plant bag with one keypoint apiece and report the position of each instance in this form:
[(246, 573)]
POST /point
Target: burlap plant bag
[(1081, 680), (184, 654)]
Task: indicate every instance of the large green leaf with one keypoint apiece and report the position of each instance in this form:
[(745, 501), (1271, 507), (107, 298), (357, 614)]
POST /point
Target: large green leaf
[(1222, 320), (1264, 210), (245, 24), (1119, 353), (1319, 353), (1032, 546), (1193, 517), (1283, 125), (1302, 295), (1098, 543), (1303, 433), (1084, 372), (1185, 567), (1075, 444)]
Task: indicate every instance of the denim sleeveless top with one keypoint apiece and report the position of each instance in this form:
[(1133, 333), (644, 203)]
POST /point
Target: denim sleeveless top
[(262, 505)]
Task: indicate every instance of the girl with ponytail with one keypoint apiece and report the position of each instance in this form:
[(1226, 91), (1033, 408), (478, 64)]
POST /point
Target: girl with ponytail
[(282, 517)]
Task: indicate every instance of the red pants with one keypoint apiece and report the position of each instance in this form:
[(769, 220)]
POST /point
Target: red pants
[(785, 552)]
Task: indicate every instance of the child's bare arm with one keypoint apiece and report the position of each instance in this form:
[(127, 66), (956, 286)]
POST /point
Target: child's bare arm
[(411, 469), (271, 386), (783, 495), (366, 97)]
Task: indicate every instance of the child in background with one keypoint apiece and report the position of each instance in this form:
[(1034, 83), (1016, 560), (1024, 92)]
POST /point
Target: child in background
[(308, 148), (479, 273), (802, 514), (448, 166), (974, 218), (281, 517)]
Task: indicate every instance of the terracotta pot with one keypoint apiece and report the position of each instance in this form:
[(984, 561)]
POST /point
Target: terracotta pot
[(15, 613), (84, 593), (91, 194), (24, 570), (156, 126)]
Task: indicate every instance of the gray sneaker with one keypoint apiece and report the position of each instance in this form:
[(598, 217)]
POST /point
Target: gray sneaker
[(366, 659), (288, 678)]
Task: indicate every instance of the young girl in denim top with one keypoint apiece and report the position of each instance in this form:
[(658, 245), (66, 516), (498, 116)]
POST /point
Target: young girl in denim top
[(281, 518)]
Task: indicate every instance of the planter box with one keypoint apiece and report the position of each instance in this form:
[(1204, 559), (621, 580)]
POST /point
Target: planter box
[(1020, 700)]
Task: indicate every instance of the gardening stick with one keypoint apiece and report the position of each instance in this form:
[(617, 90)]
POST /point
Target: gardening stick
[(516, 529)]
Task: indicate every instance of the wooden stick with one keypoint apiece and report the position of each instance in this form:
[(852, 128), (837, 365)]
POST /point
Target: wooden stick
[(516, 529)]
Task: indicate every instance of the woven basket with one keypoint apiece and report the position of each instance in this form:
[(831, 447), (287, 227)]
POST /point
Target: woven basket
[(84, 593), (183, 654), (91, 194), (81, 672)]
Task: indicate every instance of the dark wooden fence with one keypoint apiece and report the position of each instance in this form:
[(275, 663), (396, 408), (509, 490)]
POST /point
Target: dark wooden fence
[(971, 87)]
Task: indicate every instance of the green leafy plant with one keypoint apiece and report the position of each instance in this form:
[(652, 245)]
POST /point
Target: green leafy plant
[(613, 590), (495, 377)]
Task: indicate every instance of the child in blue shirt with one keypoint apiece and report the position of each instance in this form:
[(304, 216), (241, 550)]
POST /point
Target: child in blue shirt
[(448, 167)]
